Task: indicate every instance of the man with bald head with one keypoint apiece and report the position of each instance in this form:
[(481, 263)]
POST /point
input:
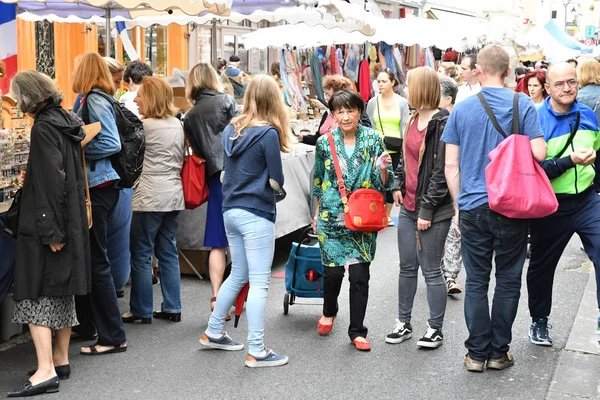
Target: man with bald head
[(571, 133)]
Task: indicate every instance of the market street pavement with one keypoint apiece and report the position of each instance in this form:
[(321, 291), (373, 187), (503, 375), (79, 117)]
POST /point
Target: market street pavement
[(165, 360)]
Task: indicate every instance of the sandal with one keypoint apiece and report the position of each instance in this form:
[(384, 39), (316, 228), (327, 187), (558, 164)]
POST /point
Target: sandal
[(95, 352), (212, 308)]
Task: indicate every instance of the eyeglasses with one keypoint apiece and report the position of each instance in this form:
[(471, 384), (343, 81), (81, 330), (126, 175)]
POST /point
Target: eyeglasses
[(571, 83)]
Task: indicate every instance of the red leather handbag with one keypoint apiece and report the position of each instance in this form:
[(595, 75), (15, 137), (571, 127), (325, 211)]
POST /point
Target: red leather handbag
[(193, 178), (364, 209)]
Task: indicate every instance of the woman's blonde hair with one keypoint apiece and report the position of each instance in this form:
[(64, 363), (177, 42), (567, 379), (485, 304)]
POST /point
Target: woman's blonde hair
[(451, 70), (588, 72), (202, 77), (263, 105), (114, 66), (158, 98), (91, 72), (424, 90)]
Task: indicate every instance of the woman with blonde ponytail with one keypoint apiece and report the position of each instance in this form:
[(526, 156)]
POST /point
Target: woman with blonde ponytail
[(252, 172)]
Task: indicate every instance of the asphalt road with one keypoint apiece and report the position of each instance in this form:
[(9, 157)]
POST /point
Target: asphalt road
[(165, 361)]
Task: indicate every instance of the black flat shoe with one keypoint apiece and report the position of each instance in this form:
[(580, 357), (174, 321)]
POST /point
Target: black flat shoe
[(171, 316), (120, 294), (49, 386), (132, 318), (62, 371)]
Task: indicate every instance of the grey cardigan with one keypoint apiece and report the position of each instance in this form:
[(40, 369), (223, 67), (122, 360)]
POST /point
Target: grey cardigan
[(372, 112)]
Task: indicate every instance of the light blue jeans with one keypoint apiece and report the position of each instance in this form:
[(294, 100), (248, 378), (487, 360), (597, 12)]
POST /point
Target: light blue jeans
[(252, 244)]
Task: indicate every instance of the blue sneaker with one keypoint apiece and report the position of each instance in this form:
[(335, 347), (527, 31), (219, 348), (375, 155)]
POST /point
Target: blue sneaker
[(538, 333), (269, 360), (223, 343)]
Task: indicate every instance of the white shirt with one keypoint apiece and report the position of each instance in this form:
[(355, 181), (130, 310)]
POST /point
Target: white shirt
[(127, 100), (465, 90)]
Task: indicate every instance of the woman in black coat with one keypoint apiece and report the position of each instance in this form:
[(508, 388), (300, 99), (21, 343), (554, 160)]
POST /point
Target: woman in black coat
[(53, 250), (204, 125)]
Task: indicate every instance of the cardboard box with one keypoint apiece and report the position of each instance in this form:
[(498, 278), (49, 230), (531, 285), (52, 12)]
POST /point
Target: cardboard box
[(198, 258)]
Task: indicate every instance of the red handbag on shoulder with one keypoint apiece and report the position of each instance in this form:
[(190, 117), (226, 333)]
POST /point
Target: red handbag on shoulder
[(364, 209), (193, 179)]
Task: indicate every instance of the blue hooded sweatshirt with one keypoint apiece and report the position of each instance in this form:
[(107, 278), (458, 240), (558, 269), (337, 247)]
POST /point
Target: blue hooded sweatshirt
[(250, 161)]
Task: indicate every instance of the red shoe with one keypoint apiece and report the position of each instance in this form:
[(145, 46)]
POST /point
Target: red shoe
[(324, 329), (362, 345)]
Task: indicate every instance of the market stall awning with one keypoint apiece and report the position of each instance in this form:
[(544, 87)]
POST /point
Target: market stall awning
[(354, 18), (407, 31), (550, 40), (125, 8), (301, 36)]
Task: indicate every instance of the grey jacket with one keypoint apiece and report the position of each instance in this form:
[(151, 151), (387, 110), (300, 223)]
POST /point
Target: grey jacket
[(372, 113), (590, 96), (159, 188), (204, 125)]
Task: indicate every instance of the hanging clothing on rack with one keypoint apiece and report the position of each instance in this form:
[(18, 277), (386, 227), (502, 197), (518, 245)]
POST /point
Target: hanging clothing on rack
[(429, 58), (340, 57), (317, 76), (352, 62), (364, 80), (372, 59), (412, 56), (399, 60), (386, 51), (290, 81)]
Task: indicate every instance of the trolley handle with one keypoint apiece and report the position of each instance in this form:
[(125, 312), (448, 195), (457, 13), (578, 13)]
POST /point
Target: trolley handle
[(304, 237)]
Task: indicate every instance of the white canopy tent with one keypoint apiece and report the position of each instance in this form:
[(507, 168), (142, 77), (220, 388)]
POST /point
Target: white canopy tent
[(408, 31), (550, 40)]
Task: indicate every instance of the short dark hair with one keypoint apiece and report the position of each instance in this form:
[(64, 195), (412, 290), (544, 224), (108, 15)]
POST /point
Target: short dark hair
[(221, 64), (449, 88), (136, 71), (572, 60), (346, 98), (234, 58), (472, 60), (521, 70)]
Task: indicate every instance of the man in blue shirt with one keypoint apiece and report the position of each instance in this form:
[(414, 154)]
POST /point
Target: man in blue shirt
[(233, 69), (469, 137)]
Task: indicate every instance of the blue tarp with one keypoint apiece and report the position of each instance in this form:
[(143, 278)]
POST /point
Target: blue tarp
[(564, 39)]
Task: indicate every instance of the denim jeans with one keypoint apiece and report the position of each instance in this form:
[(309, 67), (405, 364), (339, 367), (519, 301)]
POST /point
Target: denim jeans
[(154, 232), (252, 244), (426, 253), (119, 225), (485, 232)]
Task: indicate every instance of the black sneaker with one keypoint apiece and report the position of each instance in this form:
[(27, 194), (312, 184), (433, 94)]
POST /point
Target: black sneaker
[(400, 333), (432, 339), (538, 333)]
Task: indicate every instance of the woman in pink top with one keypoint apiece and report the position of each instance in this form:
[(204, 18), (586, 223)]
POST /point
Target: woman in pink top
[(426, 210)]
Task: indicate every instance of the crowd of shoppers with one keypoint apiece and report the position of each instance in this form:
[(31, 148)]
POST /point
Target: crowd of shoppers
[(431, 164)]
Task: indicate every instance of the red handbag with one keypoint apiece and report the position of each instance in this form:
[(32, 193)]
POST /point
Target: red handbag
[(193, 178), (364, 209), (517, 186)]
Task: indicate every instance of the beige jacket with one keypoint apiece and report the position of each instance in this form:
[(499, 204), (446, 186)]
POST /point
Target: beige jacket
[(159, 187)]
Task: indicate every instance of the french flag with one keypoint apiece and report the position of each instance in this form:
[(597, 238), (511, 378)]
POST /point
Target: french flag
[(127, 45), (8, 43)]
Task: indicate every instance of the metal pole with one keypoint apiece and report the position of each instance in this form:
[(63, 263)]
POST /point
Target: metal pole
[(213, 42), (108, 38)]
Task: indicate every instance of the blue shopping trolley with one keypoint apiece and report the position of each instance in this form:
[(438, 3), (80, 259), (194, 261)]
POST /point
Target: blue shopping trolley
[(303, 271)]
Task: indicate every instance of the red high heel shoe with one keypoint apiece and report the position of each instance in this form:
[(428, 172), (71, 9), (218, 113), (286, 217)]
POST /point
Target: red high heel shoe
[(324, 329)]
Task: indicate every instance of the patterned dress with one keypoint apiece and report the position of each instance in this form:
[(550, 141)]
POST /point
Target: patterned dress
[(339, 245)]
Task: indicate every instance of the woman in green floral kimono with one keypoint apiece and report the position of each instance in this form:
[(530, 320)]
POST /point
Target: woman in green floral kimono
[(364, 164)]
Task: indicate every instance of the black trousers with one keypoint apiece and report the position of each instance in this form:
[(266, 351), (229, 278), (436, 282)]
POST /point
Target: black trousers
[(100, 308), (359, 295)]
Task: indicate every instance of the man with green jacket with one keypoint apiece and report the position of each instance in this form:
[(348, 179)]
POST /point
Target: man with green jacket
[(571, 133)]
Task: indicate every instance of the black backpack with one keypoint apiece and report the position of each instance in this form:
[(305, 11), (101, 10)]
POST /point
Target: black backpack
[(129, 161)]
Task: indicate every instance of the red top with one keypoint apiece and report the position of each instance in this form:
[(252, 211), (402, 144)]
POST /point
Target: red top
[(413, 142)]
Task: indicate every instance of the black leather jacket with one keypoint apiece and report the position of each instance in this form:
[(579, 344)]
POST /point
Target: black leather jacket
[(433, 199), (204, 125)]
